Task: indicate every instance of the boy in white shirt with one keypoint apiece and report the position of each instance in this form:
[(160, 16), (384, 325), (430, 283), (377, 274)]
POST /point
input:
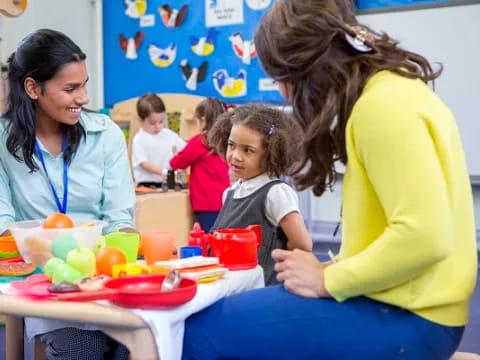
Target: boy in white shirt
[(153, 146)]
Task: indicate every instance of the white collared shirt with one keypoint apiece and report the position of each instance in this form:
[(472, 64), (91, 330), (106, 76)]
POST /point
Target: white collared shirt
[(281, 198)]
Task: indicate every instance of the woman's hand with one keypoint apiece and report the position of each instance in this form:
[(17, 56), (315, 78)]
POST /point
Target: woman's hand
[(301, 272)]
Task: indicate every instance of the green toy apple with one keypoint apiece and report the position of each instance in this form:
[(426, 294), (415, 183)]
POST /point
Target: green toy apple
[(83, 260), (62, 245), (51, 265), (65, 272)]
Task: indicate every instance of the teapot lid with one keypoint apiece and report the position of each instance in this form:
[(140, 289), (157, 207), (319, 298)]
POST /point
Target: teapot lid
[(197, 230)]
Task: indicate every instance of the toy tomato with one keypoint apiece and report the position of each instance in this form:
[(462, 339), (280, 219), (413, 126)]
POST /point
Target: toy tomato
[(57, 221), (107, 257)]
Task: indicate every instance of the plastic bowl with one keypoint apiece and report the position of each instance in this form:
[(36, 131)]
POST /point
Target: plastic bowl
[(37, 245)]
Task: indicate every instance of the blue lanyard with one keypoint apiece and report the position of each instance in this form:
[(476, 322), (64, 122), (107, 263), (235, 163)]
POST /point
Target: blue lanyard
[(61, 207)]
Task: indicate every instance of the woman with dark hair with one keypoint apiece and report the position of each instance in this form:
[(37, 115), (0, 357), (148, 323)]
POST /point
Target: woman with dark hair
[(56, 157), (401, 284)]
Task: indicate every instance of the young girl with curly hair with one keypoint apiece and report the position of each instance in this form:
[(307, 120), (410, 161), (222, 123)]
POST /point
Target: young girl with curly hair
[(261, 144)]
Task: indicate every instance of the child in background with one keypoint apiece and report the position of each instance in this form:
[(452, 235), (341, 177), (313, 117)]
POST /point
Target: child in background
[(154, 145), (260, 145), (208, 171)]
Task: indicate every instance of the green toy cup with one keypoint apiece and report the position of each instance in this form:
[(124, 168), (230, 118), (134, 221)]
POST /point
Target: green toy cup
[(127, 242)]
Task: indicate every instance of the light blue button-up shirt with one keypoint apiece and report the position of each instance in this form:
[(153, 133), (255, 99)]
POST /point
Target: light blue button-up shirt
[(99, 179)]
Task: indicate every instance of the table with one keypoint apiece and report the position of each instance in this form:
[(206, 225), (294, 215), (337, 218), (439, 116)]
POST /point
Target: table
[(147, 333), (165, 211), (119, 323)]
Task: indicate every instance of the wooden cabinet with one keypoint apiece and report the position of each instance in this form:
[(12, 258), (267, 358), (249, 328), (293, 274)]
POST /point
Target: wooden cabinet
[(165, 211)]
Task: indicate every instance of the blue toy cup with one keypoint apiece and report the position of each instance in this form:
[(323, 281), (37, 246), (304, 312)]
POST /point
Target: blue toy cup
[(189, 251)]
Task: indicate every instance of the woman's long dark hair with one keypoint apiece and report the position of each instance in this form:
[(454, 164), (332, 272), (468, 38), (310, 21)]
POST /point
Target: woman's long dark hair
[(40, 56), (302, 43)]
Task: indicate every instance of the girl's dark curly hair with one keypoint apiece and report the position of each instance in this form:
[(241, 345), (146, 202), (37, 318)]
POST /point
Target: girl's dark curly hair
[(40, 56), (302, 43), (282, 137)]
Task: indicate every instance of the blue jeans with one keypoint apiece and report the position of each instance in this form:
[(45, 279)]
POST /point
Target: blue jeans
[(206, 219), (272, 323)]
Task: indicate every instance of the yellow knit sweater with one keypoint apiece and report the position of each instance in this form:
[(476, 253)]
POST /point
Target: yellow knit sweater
[(408, 225)]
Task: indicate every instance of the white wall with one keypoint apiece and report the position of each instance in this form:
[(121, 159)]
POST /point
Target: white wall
[(440, 35), (79, 19), (449, 35)]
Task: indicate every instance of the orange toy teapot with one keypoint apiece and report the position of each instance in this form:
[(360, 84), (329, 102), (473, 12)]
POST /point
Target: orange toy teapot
[(236, 248)]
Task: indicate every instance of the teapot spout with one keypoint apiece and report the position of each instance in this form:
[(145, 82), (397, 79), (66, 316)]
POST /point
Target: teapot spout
[(257, 230)]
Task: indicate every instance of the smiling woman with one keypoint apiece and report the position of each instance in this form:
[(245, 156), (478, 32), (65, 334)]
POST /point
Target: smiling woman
[(56, 157)]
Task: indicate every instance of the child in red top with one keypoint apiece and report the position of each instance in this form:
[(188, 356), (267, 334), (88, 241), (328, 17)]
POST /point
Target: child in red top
[(208, 170)]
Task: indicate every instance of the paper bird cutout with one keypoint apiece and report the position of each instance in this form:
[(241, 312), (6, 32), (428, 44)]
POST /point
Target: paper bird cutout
[(162, 57), (135, 8), (230, 86), (172, 18), (244, 49), (205, 45), (192, 76), (131, 45)]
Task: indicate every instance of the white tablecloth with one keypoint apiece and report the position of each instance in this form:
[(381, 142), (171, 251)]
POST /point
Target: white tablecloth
[(167, 326)]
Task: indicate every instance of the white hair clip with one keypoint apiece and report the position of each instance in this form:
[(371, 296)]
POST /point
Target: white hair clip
[(272, 129), (361, 39)]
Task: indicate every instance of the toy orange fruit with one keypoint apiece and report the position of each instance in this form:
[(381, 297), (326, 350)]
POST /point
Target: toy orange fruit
[(57, 221), (107, 257)]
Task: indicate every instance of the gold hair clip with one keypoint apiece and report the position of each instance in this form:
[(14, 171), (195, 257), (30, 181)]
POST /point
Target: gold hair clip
[(361, 39)]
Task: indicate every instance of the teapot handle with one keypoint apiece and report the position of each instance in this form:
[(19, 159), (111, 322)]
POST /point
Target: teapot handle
[(209, 241), (257, 230)]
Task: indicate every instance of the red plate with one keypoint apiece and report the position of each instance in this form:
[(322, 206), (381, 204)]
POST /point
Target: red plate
[(35, 287), (141, 292)]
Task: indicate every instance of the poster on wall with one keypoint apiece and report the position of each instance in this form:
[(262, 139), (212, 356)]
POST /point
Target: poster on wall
[(199, 47), (223, 12)]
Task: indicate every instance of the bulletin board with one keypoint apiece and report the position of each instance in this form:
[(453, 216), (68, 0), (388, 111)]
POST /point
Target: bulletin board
[(398, 4), (201, 47)]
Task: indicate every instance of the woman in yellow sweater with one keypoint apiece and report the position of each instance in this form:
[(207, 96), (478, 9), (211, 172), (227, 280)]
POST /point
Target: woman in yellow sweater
[(401, 284)]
